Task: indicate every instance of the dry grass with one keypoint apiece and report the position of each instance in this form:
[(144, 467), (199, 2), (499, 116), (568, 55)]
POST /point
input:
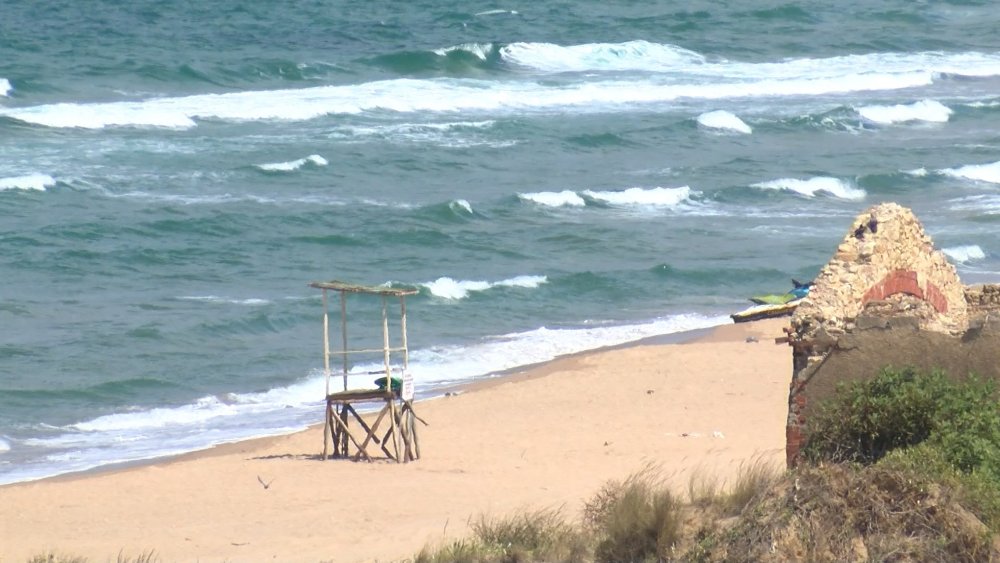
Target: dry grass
[(542, 535), (144, 557)]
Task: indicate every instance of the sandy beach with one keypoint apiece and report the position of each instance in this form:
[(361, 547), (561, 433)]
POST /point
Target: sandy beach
[(547, 437)]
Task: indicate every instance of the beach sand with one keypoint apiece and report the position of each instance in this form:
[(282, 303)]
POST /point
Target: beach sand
[(546, 437)]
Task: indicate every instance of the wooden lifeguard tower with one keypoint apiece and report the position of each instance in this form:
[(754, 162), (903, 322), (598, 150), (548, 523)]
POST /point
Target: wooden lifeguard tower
[(394, 390)]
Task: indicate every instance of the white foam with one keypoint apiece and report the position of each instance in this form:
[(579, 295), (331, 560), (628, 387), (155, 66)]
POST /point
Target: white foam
[(813, 186), (519, 349), (455, 134), (449, 288), (555, 199), (480, 50), (988, 204), (293, 165), (631, 55), (979, 172), (496, 12), (5, 87), (723, 120), (966, 253), (30, 182), (225, 300), (686, 75), (461, 204), (667, 197), (147, 433), (924, 110)]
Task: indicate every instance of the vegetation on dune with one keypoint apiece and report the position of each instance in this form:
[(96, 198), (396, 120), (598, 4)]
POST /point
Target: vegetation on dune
[(903, 467)]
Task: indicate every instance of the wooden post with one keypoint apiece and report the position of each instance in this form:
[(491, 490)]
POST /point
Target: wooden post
[(327, 429), (402, 329), (343, 331)]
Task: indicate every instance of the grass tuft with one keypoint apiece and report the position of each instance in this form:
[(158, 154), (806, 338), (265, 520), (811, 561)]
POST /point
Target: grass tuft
[(637, 519), (534, 536)]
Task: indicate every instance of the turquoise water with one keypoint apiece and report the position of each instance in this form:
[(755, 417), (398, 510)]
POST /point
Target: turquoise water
[(553, 177)]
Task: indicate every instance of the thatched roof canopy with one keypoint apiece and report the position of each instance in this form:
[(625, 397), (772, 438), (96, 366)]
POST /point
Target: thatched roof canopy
[(374, 290)]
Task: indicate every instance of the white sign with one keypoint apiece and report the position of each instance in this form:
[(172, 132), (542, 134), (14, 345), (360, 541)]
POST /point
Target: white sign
[(407, 392)]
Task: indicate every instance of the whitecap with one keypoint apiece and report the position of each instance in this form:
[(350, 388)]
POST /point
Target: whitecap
[(723, 120), (555, 199), (925, 110), (811, 187), (293, 165), (523, 281), (479, 50), (667, 197), (988, 105), (966, 253), (630, 55), (449, 288), (253, 302), (979, 172), (688, 75), (30, 182), (496, 13), (460, 204), (5, 87)]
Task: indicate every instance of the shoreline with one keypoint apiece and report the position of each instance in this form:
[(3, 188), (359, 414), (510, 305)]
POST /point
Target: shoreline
[(705, 402), (456, 388)]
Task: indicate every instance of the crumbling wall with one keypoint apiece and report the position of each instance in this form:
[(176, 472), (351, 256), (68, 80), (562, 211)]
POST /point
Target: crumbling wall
[(885, 277)]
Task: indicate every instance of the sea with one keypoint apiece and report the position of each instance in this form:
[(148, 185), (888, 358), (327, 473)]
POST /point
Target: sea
[(551, 177)]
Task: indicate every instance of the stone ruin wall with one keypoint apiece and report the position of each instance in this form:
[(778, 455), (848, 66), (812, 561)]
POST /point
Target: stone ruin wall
[(886, 298)]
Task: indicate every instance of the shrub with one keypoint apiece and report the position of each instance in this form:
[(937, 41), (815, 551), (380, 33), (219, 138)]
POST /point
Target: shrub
[(867, 419), (967, 427)]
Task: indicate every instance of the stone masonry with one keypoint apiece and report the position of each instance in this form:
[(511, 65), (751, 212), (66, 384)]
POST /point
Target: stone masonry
[(887, 297)]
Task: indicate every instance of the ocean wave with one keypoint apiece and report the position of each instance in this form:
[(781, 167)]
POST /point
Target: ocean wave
[(630, 55), (293, 165), (30, 182), (668, 197), (667, 58), (924, 110), (5, 87), (225, 300), (449, 288), (555, 199), (984, 104), (481, 51), (982, 204), (978, 172), (495, 13), (702, 81), (460, 206), (966, 253), (640, 197), (810, 188), (467, 59), (455, 134), (202, 410), (723, 120)]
